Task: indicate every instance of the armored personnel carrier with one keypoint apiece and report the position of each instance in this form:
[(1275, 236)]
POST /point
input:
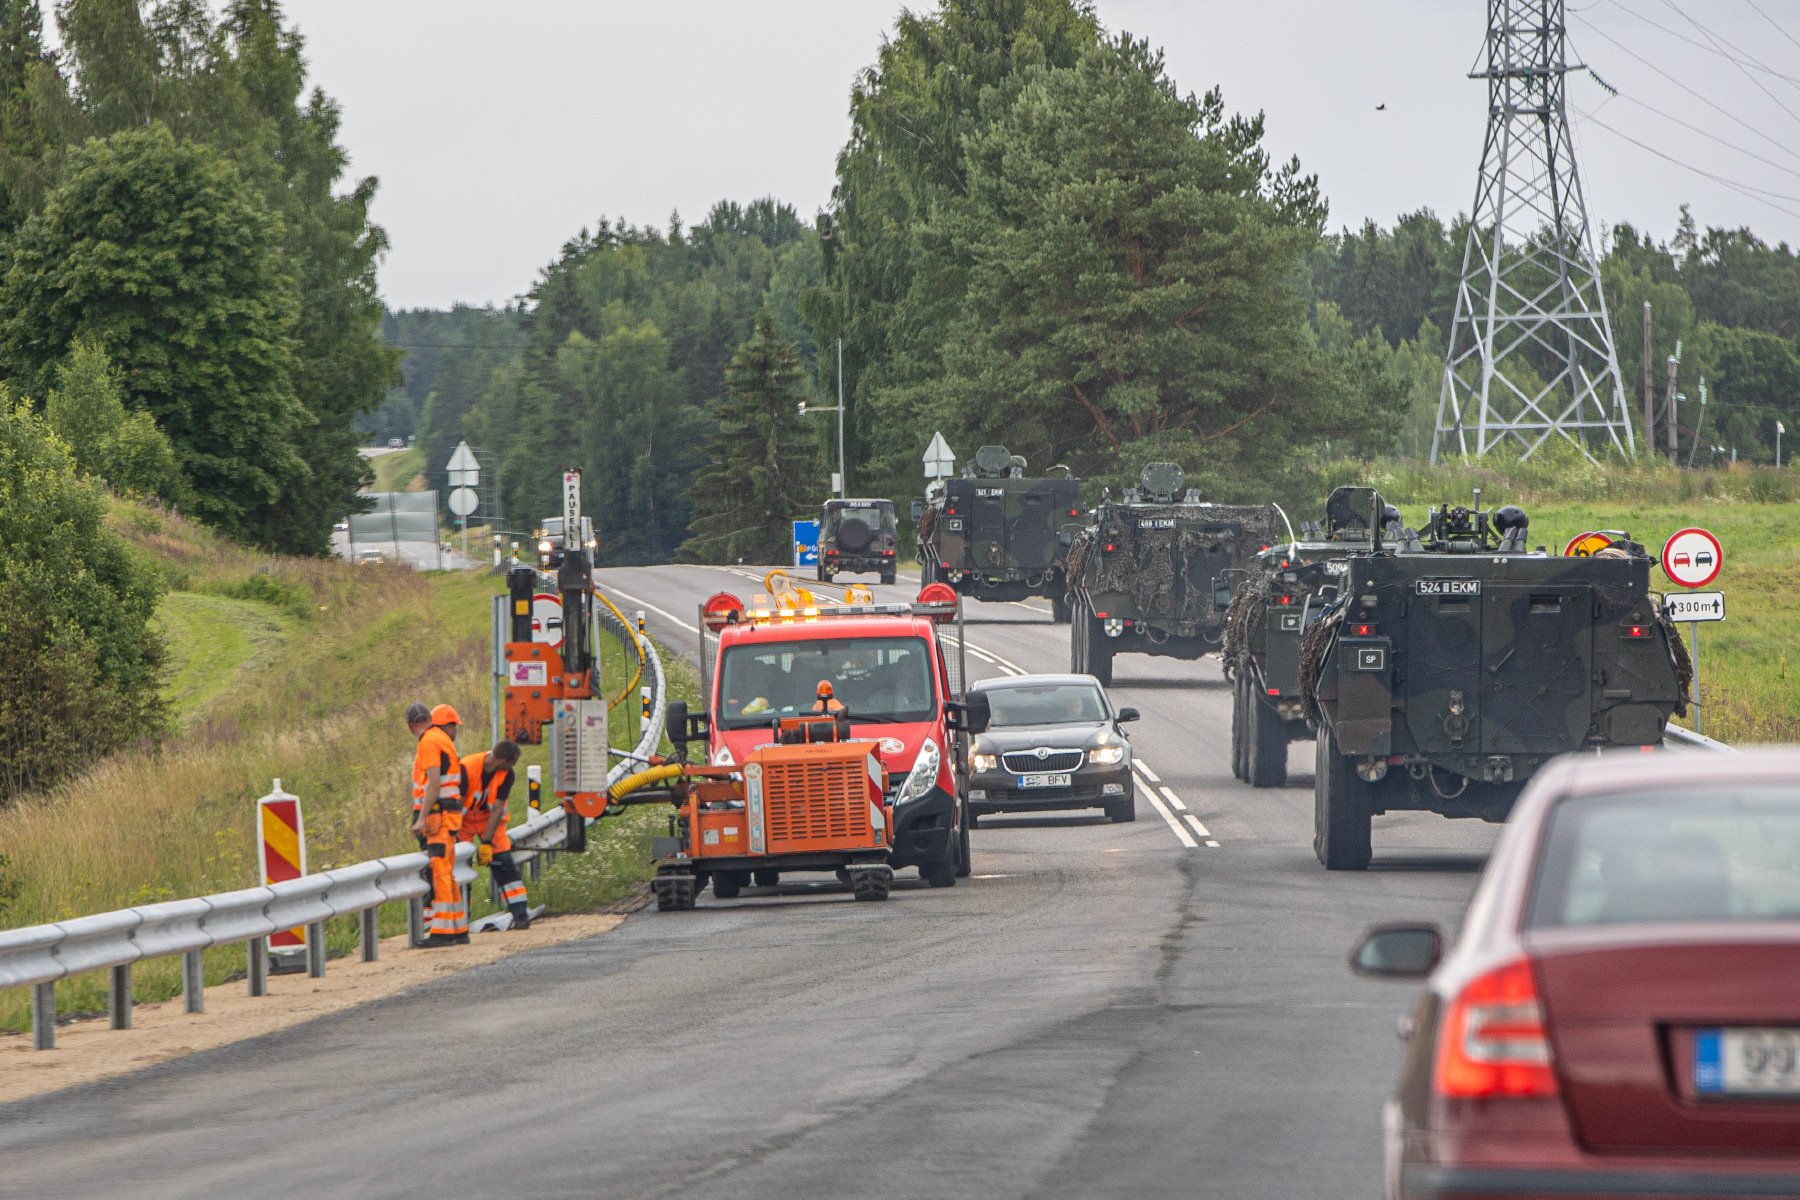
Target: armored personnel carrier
[(1455, 663), (995, 534), (1289, 586), (1155, 573)]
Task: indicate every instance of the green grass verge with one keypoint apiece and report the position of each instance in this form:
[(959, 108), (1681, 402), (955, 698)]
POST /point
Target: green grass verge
[(210, 639), (397, 472)]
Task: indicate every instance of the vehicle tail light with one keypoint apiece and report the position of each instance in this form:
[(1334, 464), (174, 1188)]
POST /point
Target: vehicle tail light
[(1637, 631), (1493, 1041), (1362, 630), (1274, 691), (1102, 616), (1109, 547), (1284, 600)]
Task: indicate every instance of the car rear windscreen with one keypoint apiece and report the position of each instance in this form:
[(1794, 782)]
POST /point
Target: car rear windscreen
[(1045, 704), (876, 679), (1700, 854)]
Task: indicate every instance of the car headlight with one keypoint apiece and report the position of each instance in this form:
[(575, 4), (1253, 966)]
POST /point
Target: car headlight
[(543, 547), (923, 776), (1106, 756), (984, 762)]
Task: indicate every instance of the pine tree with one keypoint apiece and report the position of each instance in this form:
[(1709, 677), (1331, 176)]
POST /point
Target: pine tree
[(763, 471)]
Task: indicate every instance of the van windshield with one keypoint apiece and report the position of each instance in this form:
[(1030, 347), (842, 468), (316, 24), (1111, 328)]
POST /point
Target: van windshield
[(876, 679)]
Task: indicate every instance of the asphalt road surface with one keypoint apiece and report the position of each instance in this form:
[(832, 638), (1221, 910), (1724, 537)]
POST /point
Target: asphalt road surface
[(1154, 1009)]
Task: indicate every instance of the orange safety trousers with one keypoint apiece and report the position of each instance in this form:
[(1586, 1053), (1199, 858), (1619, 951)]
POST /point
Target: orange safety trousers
[(445, 913)]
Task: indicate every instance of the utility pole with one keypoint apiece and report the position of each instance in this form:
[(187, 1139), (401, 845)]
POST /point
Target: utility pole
[(843, 476), (1669, 415), (1530, 283), (1649, 389)]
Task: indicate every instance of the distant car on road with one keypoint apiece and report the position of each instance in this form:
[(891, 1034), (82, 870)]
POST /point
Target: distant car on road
[(396, 444), (366, 557), (1053, 742), (341, 527), (1620, 1015)]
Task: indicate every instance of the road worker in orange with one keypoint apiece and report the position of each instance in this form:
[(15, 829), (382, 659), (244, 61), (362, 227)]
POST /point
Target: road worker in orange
[(827, 702), (437, 817), (487, 781)]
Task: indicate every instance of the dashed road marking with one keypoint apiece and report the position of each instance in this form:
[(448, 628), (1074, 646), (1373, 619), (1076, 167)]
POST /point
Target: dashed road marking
[(1143, 766), (1187, 839), (1172, 798), (1199, 828), (646, 604)]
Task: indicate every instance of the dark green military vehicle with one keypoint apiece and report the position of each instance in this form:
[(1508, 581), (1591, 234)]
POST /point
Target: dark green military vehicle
[(1289, 586), (994, 533), (1455, 663), (858, 537), (1155, 573)]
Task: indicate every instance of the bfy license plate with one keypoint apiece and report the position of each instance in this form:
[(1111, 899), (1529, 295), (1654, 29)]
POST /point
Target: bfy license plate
[(1056, 779), (1757, 1062)]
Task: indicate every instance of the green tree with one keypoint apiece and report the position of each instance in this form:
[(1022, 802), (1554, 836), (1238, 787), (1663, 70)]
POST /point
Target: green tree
[(87, 411), (160, 252), (81, 672), (1124, 254), (762, 471)]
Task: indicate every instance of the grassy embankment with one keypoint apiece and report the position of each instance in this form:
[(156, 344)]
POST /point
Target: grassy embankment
[(401, 471), (289, 668), (1749, 688)]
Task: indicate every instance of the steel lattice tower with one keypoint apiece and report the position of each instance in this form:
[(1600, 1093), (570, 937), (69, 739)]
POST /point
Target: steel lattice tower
[(1530, 352)]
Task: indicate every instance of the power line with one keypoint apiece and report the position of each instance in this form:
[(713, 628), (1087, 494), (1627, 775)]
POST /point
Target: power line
[(1743, 189), (1682, 37), (1733, 117), (1707, 134), (1709, 36), (1771, 20)]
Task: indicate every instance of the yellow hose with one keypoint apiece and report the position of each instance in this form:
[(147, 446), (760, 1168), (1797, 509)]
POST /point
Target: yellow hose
[(636, 645), (632, 783)]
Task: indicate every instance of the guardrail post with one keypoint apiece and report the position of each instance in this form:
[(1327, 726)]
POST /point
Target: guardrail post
[(118, 997), (415, 922), (259, 966), (315, 950), (43, 1016), (193, 982), (371, 934), (468, 898), (536, 868)]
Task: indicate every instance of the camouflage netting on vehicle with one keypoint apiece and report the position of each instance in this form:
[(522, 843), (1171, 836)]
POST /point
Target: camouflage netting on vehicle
[(1079, 549), (1241, 620), (927, 523), (1684, 665), (1153, 559), (1312, 656)]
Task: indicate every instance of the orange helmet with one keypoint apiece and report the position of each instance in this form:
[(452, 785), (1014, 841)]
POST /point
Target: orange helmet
[(443, 714), (824, 689)]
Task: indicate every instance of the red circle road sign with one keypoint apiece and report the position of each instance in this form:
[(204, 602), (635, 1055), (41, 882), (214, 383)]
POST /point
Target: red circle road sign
[(1586, 545), (1692, 557)]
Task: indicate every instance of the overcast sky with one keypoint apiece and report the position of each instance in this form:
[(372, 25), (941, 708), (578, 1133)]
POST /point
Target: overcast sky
[(498, 131)]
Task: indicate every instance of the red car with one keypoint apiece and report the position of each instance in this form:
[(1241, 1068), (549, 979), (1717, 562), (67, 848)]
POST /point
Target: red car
[(1621, 1013)]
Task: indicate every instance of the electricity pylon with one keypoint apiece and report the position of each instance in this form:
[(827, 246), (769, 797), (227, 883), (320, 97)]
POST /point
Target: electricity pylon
[(1531, 352)]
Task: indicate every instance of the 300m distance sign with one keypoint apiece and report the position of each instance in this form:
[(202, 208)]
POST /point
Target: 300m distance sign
[(1692, 558)]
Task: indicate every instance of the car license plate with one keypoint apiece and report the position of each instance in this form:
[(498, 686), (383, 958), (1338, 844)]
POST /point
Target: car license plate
[(1048, 780), (1757, 1062)]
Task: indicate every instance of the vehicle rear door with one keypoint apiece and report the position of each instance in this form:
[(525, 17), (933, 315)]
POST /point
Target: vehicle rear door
[(1537, 653), (1443, 669), (1031, 527), (1623, 1021), (987, 525)]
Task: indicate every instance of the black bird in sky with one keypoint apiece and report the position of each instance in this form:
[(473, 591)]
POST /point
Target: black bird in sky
[(1381, 108)]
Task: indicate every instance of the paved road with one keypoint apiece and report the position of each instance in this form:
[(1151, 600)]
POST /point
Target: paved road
[(1102, 1010)]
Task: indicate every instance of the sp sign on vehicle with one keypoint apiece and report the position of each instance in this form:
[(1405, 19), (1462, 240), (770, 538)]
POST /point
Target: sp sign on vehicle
[(1695, 606), (1692, 558)]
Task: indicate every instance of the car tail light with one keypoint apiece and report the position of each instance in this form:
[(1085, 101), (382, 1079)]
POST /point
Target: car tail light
[(1637, 631), (1109, 547), (1364, 630), (1284, 599), (1493, 1041), (1274, 691)]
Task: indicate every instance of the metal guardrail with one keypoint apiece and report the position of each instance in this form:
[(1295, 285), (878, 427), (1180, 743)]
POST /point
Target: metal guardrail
[(39, 955), (1687, 739)]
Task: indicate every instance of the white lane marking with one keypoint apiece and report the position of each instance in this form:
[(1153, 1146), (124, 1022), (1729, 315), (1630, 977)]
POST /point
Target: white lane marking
[(988, 657), (645, 603), (1200, 829), (1143, 766), (1172, 798), (1005, 662), (1029, 607), (1156, 803)]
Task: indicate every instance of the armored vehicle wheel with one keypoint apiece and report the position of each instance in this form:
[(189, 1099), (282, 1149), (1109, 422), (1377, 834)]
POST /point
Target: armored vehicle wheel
[(1122, 811), (888, 577), (1100, 652), (1265, 744), (767, 878), (940, 875), (1059, 610), (1341, 817), (963, 861), (1238, 688), (726, 885)]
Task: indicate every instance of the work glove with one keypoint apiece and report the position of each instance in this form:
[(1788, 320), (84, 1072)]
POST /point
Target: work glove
[(484, 854)]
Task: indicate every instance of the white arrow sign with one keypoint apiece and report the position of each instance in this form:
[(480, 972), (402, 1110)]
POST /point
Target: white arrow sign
[(464, 471), (939, 459)]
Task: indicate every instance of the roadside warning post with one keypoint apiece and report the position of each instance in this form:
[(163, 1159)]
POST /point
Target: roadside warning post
[(281, 835), (1692, 558)]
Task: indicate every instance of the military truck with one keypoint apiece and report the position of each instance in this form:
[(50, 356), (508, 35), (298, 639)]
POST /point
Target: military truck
[(1455, 663), (1155, 573), (1290, 584), (858, 536), (995, 534)]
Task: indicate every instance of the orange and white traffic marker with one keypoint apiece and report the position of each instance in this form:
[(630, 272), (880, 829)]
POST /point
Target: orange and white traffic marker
[(281, 833)]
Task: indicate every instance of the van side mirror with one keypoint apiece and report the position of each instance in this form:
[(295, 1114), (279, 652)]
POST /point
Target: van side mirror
[(1398, 951), (675, 722), (1128, 714), (971, 715)]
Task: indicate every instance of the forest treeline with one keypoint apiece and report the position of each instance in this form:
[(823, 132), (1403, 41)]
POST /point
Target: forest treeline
[(188, 313)]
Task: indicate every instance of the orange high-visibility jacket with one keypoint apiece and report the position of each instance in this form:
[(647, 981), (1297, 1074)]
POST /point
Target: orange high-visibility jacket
[(437, 750), (485, 796)]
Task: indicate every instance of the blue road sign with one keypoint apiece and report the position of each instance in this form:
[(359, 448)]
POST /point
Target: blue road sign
[(806, 543)]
